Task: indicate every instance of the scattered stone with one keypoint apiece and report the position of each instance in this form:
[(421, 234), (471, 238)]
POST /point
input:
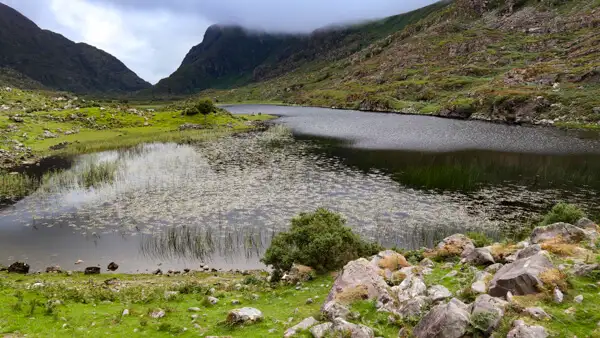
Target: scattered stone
[(302, 326), (450, 274), (487, 312), (537, 313), (113, 266), (438, 293), (319, 331), (578, 299), (333, 309), (479, 256), (529, 251), (587, 224), (19, 267), (558, 296), (413, 307), (125, 312), (59, 146), (522, 330), (480, 284), (457, 244), (92, 270), (53, 269), (411, 287), (193, 309), (49, 134), (567, 231), (191, 126), (570, 311), (520, 277), (449, 320), (427, 263), (157, 272), (157, 314), (309, 301), (212, 300), (244, 315), (494, 268), (341, 327), (390, 260), (16, 119), (235, 302), (585, 270)]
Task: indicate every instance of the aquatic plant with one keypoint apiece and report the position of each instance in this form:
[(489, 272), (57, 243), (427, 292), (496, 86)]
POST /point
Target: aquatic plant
[(563, 212), (16, 185), (88, 174), (319, 240), (276, 135)]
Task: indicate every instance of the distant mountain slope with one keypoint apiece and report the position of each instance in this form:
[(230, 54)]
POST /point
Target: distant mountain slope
[(231, 56), (57, 62)]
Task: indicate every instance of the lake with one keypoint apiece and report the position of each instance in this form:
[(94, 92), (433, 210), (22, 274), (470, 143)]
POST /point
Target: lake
[(402, 180)]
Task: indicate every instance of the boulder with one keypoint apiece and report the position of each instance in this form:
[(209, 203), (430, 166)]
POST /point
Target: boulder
[(487, 312), (92, 270), (457, 244), (586, 269), (537, 313), (19, 267), (586, 224), (478, 256), (567, 231), (53, 269), (449, 320), (113, 266), (411, 287), (480, 283), (346, 329), (390, 260), (244, 315), (303, 325), (413, 307), (558, 296), (427, 263), (333, 309), (361, 273), (529, 251), (321, 330), (494, 268), (438, 293), (520, 277), (522, 330), (299, 273)]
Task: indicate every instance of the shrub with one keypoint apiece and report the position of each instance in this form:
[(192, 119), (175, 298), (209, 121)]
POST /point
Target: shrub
[(479, 239), (319, 240), (203, 107), (563, 212)]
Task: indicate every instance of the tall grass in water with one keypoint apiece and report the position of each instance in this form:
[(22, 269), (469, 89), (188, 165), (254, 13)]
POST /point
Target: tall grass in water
[(278, 135), (89, 174), (16, 185)]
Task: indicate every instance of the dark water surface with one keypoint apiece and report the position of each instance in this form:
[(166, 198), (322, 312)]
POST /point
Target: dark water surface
[(401, 180)]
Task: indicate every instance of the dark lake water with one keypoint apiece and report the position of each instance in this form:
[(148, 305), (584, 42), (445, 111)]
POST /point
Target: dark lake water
[(398, 179)]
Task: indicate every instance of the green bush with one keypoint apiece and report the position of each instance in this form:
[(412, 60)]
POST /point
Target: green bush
[(319, 240), (563, 212), (203, 107), (479, 239)]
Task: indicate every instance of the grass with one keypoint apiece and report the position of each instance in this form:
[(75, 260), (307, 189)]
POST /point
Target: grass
[(87, 306)]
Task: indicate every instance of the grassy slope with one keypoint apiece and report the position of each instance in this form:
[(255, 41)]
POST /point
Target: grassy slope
[(499, 67)]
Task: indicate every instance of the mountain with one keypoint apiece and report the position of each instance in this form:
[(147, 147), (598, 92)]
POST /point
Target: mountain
[(58, 63), (507, 60), (231, 56)]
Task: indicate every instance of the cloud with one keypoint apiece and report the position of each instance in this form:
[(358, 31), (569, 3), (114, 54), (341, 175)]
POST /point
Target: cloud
[(152, 36)]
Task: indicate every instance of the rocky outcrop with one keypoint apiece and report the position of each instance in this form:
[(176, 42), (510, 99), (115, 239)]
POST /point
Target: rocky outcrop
[(566, 231), (449, 320), (520, 277), (522, 330), (244, 315)]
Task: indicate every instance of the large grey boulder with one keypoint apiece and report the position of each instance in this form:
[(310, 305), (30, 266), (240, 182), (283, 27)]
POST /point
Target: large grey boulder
[(303, 325), (487, 312), (478, 256), (413, 307), (522, 330), (529, 251), (346, 329), (520, 277), (438, 293), (449, 320), (537, 313), (334, 309), (458, 244), (411, 287), (567, 231), (244, 315), (361, 273), (321, 330)]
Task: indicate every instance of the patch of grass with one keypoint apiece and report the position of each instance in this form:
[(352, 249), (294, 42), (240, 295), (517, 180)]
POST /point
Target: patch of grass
[(563, 212), (479, 239)]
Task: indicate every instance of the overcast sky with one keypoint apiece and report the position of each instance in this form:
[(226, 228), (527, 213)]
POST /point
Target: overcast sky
[(152, 36)]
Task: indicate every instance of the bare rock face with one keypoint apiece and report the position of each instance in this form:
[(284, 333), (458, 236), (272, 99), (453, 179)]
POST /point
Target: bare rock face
[(303, 325), (449, 320), (522, 330), (520, 277), (567, 231), (487, 312), (361, 273), (244, 316), (479, 256)]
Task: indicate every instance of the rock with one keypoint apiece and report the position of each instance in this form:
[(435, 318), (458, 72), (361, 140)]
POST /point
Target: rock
[(522, 330), (157, 314), (537, 313), (450, 274), (578, 299), (410, 287), (361, 273), (49, 134), (449, 320), (494, 268), (346, 329), (509, 297), (480, 284), (125, 312), (487, 312), (585, 270), (558, 296), (302, 326), (309, 301), (333, 309), (586, 224), (235, 302), (19, 267), (193, 309), (427, 263), (520, 277), (113, 266), (529, 251), (478, 256), (244, 315), (212, 300), (53, 269), (413, 307), (299, 273), (16, 119), (458, 244), (438, 293), (92, 270), (567, 231), (59, 146), (390, 260), (157, 272), (319, 331)]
